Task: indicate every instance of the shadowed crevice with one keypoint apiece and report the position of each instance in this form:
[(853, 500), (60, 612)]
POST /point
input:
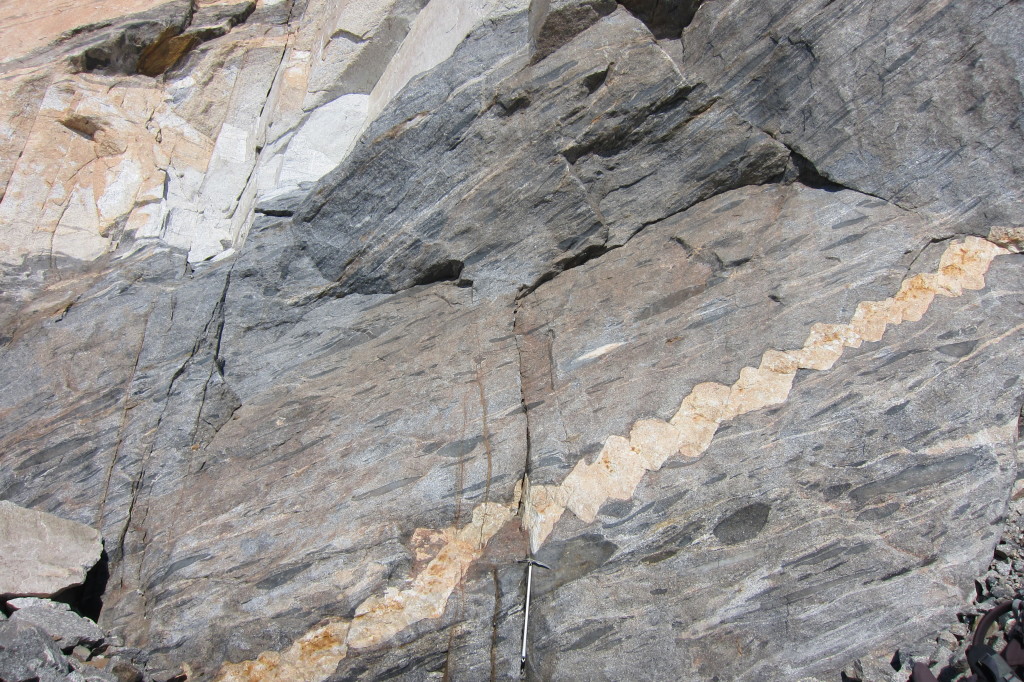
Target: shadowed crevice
[(87, 599), (665, 18)]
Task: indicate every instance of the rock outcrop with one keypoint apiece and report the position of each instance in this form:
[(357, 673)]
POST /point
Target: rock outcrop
[(327, 313)]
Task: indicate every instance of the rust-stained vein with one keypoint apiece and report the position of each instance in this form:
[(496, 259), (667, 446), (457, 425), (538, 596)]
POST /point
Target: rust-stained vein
[(616, 472)]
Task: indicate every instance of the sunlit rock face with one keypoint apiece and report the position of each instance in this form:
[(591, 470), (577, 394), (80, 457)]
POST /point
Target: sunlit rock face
[(324, 314), (171, 120), (43, 554)]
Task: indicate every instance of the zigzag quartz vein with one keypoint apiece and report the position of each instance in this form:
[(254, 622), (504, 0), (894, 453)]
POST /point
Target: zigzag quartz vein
[(623, 462), (618, 469)]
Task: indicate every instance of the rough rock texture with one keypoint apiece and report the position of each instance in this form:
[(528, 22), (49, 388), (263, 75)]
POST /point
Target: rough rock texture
[(96, 151), (569, 156), (43, 554), (715, 309), (44, 641), (733, 546), (63, 625), (945, 653), (855, 92), (26, 653)]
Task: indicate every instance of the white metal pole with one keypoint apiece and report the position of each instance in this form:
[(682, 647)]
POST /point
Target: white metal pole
[(526, 616)]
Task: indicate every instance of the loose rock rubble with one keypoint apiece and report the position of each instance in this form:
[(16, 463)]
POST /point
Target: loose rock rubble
[(46, 641), (56, 619)]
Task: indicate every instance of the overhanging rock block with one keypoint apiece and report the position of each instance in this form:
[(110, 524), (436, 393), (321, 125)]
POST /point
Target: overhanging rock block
[(43, 554)]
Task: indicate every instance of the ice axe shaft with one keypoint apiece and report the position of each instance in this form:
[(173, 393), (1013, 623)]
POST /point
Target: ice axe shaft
[(530, 563)]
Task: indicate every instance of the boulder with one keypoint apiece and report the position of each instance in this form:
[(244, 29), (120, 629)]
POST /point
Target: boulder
[(27, 654), (56, 619), (43, 554)]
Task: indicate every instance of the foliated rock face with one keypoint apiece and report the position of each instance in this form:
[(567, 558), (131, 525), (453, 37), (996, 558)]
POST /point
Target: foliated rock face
[(325, 314), (881, 101), (545, 167), (772, 470)]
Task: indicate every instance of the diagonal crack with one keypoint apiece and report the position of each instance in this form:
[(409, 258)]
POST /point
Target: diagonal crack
[(217, 369)]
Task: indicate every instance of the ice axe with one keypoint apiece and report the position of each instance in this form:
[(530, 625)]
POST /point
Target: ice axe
[(530, 563)]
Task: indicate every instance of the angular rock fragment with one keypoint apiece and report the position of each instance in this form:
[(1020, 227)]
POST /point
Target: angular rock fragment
[(28, 655), (42, 553), (56, 619), (553, 24)]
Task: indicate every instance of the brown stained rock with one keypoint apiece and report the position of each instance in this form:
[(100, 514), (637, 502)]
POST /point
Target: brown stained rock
[(95, 148), (20, 97), (168, 49), (1011, 238), (42, 553)]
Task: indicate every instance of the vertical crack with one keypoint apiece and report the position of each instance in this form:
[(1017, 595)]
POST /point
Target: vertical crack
[(486, 430), (122, 427), (260, 145), (495, 619), (217, 323), (525, 478)]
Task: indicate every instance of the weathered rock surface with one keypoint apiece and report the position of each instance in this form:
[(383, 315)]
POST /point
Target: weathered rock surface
[(916, 101), (56, 619), (733, 546), (96, 151), (26, 653), (42, 553), (564, 158), (356, 304)]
